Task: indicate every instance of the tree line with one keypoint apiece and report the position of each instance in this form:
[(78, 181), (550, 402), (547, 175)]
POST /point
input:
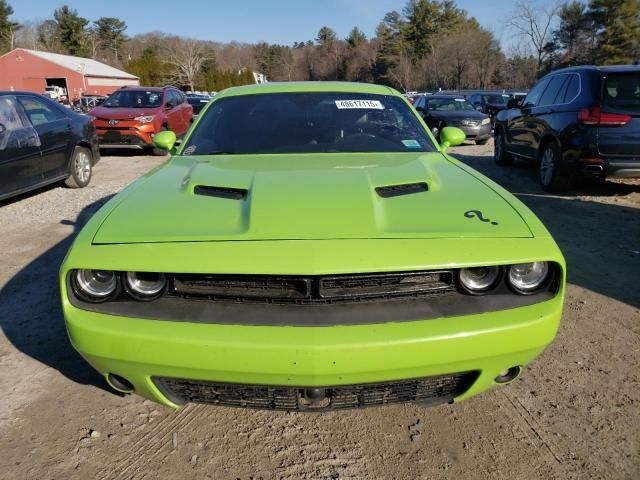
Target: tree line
[(430, 44)]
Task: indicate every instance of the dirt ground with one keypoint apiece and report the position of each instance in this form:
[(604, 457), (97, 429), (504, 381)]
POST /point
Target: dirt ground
[(575, 413)]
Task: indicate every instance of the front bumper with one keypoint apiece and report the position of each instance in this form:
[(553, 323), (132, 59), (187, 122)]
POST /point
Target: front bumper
[(126, 135), (312, 356), (481, 132)]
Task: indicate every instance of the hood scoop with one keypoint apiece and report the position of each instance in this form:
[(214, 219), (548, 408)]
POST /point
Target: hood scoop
[(220, 192), (402, 189)]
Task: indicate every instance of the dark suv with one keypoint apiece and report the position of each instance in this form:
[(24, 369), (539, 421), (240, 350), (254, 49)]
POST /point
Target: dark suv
[(579, 120)]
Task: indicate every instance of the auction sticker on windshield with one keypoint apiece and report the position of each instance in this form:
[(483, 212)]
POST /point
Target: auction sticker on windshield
[(368, 104)]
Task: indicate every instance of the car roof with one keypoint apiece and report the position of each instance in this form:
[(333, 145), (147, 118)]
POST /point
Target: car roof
[(600, 68), (304, 87), (146, 89), (448, 96)]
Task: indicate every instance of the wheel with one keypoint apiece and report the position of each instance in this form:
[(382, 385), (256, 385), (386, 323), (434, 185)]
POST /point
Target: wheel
[(158, 152), (500, 154), (482, 142), (551, 178), (80, 168)]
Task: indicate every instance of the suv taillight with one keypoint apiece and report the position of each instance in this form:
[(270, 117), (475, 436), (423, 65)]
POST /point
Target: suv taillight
[(594, 116)]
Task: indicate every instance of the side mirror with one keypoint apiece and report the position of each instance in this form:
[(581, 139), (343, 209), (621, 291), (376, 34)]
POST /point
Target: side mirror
[(478, 107), (2, 128), (164, 140), (513, 103), (420, 109), (450, 137)]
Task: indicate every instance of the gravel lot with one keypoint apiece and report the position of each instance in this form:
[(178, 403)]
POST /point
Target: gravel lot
[(573, 414)]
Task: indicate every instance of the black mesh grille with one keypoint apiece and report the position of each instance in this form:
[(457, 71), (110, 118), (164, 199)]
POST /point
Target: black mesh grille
[(430, 390), (318, 289)]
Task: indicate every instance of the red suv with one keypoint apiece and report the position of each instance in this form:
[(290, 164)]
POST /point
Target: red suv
[(132, 115)]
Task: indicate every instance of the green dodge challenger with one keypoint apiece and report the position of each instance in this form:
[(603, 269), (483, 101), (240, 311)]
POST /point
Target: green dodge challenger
[(310, 246)]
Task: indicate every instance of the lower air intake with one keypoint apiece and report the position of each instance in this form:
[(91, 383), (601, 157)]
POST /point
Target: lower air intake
[(428, 390)]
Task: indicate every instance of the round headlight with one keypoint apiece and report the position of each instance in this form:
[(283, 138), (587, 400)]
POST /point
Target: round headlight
[(479, 279), (145, 285), (95, 285), (528, 277)]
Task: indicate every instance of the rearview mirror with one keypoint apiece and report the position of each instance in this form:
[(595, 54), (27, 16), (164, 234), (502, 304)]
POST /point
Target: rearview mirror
[(450, 137), (164, 140)]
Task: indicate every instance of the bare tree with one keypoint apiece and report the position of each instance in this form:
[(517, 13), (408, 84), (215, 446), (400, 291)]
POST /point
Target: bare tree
[(535, 23), (187, 57)]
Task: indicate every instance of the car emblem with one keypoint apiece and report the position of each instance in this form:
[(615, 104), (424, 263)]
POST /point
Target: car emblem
[(113, 122)]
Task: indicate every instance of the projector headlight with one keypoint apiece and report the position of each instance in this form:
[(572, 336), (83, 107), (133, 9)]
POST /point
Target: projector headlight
[(144, 285), (145, 119), (526, 278), (478, 280), (94, 285)]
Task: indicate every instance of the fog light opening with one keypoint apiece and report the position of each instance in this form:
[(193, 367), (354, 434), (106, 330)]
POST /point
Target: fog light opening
[(508, 375), (119, 383)]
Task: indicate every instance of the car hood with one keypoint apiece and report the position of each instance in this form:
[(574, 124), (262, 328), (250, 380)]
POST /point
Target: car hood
[(109, 113), (309, 196)]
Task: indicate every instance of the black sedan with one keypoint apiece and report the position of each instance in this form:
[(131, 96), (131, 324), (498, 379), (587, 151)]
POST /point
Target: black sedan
[(489, 102), (198, 102), (440, 111), (42, 142)]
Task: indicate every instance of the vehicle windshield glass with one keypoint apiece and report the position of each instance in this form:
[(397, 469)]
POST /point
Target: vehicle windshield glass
[(499, 99), (450, 105), (622, 91), (134, 99), (319, 122)]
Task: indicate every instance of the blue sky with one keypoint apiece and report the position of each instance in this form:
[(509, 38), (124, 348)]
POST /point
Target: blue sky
[(275, 21)]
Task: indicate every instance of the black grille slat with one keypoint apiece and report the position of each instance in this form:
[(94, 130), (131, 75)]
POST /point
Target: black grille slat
[(313, 289), (220, 192), (441, 388)]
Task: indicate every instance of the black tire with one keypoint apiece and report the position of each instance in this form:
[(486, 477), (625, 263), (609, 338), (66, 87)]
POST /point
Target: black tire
[(158, 152), (482, 142), (552, 179), (80, 168), (500, 154)]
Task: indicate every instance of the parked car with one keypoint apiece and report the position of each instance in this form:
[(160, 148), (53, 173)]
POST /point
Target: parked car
[(579, 120), (132, 115), (197, 102), (440, 111), (88, 102), (310, 247), (489, 102), (42, 142)]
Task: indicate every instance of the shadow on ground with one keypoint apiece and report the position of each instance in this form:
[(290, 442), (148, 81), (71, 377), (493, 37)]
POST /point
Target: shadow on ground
[(31, 314), (600, 239)]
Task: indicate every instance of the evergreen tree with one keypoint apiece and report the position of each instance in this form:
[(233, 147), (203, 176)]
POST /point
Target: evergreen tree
[(618, 25), (71, 30), (427, 18), (356, 38), (326, 37), (7, 27), (110, 32), (391, 43)]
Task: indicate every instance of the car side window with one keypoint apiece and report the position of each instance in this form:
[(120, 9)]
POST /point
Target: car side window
[(15, 131), (550, 93), (39, 112), (573, 88), (562, 91), (533, 97)]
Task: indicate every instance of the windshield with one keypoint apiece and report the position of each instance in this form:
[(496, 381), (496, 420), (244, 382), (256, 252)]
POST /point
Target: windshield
[(622, 91), (450, 105), (308, 123), (134, 99), (499, 99)]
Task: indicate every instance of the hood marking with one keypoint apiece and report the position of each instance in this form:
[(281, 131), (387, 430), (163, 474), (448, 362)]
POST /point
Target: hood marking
[(478, 213)]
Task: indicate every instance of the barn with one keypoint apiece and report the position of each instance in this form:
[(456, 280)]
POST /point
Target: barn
[(33, 71)]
